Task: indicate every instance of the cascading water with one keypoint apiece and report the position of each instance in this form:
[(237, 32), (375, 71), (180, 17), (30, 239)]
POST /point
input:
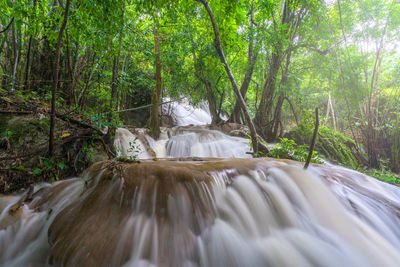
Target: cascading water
[(215, 212), (185, 114)]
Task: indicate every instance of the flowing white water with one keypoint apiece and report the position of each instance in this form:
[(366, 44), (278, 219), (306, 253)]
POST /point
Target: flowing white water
[(272, 214), (185, 114), (199, 141), (232, 212)]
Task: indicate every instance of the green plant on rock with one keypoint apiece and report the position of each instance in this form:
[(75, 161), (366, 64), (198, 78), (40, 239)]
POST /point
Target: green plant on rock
[(288, 149)]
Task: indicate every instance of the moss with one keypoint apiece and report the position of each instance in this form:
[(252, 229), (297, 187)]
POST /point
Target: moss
[(28, 133), (334, 146)]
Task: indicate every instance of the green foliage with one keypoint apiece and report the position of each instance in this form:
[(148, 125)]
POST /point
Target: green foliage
[(51, 167), (133, 149), (6, 135), (330, 53), (288, 149), (384, 176)]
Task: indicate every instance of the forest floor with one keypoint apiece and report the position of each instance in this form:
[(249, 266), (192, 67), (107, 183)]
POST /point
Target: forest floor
[(24, 135)]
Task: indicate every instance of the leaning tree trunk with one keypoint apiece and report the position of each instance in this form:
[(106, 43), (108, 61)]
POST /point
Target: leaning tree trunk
[(55, 82), (154, 123), (217, 42)]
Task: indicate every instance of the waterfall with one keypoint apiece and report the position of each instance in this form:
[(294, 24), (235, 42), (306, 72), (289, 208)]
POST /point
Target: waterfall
[(185, 114), (226, 210), (199, 141), (236, 212)]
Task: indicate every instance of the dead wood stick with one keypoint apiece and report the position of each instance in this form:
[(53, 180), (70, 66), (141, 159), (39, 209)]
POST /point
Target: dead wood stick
[(79, 123), (310, 152), (21, 201)]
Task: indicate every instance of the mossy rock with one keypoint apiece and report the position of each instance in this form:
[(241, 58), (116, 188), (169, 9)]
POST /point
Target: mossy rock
[(28, 133), (334, 146), (4, 119)]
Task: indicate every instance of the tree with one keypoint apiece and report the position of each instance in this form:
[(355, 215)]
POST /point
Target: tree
[(55, 82), (268, 122), (154, 123), (218, 47)]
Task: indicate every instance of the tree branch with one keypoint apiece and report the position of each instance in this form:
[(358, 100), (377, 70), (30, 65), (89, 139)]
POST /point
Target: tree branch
[(8, 26)]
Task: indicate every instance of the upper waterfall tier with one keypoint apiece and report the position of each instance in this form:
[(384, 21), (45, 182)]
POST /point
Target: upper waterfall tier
[(189, 141)]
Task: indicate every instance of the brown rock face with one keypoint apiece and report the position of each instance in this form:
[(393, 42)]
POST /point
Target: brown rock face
[(174, 198)]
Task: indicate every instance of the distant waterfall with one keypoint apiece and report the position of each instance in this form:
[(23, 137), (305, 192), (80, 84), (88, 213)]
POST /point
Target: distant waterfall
[(185, 114)]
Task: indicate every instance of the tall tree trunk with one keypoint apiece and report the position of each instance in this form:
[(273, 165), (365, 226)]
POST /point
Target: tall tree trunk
[(328, 107), (215, 118), (211, 102), (55, 82), (251, 60), (371, 115), (116, 62), (16, 55), (292, 15), (293, 111), (277, 120), (28, 58), (263, 114), (154, 123), (27, 61), (217, 43)]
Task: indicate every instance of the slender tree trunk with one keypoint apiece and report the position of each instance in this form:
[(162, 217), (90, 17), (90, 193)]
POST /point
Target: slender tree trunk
[(328, 107), (263, 114), (277, 119), (333, 114), (293, 111), (28, 58), (217, 43), (27, 61), (16, 56), (55, 82), (70, 94), (371, 115), (243, 88), (116, 63), (154, 124)]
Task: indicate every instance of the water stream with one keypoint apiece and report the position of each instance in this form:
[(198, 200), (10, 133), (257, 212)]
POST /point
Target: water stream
[(226, 210)]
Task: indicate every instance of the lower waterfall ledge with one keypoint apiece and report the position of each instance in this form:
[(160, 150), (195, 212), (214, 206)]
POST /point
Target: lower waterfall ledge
[(205, 212)]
